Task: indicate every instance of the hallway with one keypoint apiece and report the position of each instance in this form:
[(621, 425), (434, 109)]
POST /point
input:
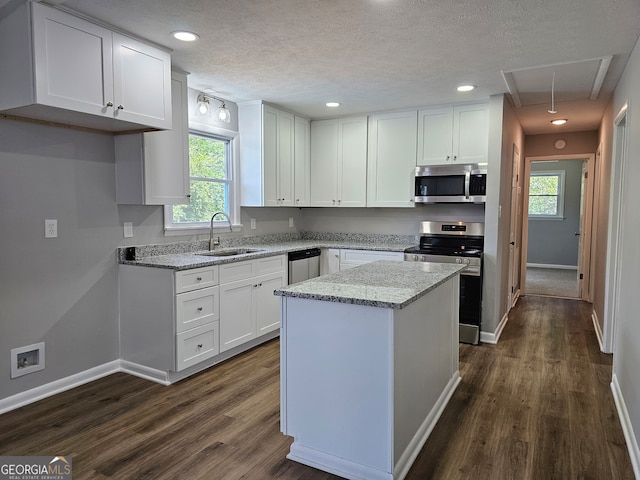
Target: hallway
[(536, 406)]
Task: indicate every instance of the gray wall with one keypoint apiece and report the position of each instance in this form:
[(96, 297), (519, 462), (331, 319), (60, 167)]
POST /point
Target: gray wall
[(553, 242), (626, 356), (64, 291)]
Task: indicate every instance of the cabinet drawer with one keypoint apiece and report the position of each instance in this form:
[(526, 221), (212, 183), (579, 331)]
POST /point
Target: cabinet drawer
[(231, 272), (271, 264), (196, 345), (196, 278), (366, 256), (197, 308)]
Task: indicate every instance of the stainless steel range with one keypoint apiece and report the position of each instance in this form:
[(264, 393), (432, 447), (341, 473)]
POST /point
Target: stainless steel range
[(462, 243)]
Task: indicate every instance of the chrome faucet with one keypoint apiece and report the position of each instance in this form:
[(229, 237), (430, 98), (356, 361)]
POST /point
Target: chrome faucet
[(214, 243)]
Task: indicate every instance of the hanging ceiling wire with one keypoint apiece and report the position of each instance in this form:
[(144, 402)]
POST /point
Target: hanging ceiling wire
[(553, 84)]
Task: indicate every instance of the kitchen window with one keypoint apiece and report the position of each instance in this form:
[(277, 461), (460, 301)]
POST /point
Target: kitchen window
[(210, 184), (546, 195)]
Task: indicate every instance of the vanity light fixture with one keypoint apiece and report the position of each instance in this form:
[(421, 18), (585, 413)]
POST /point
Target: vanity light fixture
[(332, 104), (466, 88), (559, 121), (204, 108), (185, 36)]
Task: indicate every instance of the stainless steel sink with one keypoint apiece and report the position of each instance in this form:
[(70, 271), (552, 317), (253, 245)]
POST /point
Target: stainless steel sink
[(230, 252)]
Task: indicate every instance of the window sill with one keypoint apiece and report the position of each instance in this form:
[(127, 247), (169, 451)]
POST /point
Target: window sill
[(199, 230)]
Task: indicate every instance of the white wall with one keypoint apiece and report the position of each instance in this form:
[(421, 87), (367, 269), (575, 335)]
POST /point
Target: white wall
[(626, 358)]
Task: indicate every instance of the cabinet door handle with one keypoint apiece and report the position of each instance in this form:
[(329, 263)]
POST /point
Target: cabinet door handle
[(199, 279), (120, 107), (199, 309), (199, 346), (109, 104), (455, 157), (448, 157)]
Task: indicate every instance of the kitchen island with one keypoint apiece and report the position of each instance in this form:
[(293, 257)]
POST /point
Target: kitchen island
[(369, 360)]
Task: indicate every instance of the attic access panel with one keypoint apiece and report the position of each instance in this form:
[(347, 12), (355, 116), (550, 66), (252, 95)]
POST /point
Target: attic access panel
[(573, 81)]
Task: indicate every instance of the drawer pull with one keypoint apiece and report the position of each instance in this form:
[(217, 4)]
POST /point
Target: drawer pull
[(199, 279), (199, 346), (199, 309)]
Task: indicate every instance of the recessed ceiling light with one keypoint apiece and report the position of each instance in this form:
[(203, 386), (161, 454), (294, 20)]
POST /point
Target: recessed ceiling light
[(332, 104), (466, 88), (185, 36), (559, 121)]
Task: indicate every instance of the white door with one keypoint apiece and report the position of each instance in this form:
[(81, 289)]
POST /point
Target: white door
[(285, 159), (352, 162), (514, 247), (435, 134), (324, 163), (74, 62), (301, 162), (392, 159), (237, 317), (267, 304), (141, 83)]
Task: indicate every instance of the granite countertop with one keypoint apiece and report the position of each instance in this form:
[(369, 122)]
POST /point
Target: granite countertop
[(195, 259), (384, 284)]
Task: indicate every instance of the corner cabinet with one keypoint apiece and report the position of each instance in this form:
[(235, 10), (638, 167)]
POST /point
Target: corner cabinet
[(153, 168), (65, 69), (339, 162), (268, 155), (457, 134), (392, 159)]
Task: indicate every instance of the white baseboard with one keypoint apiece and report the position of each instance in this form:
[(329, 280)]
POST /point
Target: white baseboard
[(147, 373), (38, 393), (627, 427), (488, 337), (596, 327), (550, 265)]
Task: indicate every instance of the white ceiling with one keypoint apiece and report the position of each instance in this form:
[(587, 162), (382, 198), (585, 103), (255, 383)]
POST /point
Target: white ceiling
[(374, 55)]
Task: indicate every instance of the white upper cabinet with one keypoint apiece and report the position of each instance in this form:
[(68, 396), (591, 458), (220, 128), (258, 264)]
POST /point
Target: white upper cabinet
[(302, 162), (392, 159), (153, 168), (267, 138), (339, 162), (68, 70), (453, 135)]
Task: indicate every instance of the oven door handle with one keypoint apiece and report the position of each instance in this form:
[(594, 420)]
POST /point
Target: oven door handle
[(467, 182)]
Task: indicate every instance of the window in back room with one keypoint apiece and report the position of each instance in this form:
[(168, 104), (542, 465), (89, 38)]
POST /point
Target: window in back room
[(546, 194)]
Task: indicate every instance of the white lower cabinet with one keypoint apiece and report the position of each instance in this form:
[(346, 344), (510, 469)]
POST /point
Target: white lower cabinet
[(248, 307), (171, 321)]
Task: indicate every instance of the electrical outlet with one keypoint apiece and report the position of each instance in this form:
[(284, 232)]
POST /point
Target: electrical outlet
[(253, 224), (290, 222), (128, 229), (51, 228)]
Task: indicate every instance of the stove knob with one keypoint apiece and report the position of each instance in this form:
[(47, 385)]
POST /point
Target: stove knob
[(458, 260), (424, 258), (467, 261), (415, 258)]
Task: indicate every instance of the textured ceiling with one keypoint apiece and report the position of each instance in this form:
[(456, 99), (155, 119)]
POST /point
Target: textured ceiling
[(374, 55)]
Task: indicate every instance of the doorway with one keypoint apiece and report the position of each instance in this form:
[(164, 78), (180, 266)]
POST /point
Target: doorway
[(557, 216)]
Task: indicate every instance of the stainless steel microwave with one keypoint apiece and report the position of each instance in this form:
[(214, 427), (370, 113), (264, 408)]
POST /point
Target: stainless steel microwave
[(464, 183)]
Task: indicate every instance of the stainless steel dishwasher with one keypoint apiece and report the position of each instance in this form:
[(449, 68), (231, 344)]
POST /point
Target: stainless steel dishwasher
[(304, 264)]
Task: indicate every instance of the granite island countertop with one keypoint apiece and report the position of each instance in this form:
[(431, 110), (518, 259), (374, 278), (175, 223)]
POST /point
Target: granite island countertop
[(196, 259), (383, 284)]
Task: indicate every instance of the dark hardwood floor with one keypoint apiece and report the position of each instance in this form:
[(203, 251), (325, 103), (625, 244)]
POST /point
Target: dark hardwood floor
[(536, 406)]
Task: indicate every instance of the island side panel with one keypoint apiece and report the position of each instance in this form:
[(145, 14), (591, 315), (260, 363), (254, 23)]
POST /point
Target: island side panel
[(425, 367), (337, 383)]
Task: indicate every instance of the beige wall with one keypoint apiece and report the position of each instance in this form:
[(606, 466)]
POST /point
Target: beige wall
[(577, 142)]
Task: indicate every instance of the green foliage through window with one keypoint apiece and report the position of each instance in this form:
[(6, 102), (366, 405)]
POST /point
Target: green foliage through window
[(545, 190), (209, 180)]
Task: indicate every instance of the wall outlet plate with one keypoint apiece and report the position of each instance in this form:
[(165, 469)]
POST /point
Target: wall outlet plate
[(51, 228), (128, 229), (253, 224)]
